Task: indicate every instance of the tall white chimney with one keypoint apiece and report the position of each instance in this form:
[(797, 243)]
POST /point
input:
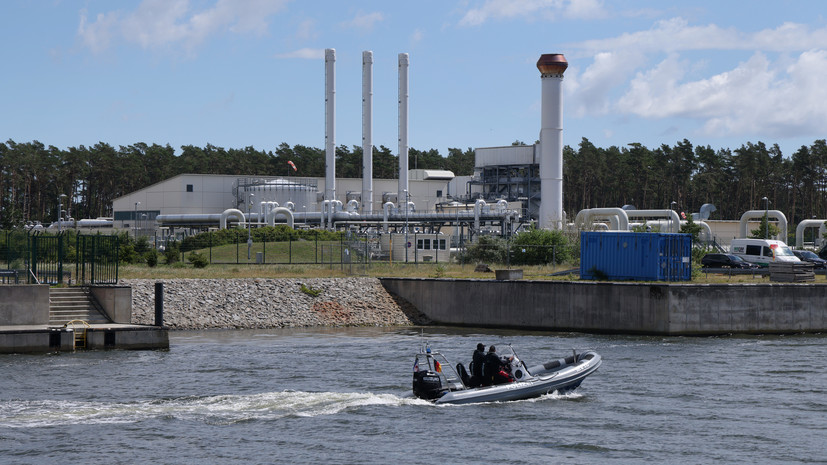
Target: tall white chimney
[(330, 124), (403, 129), (367, 131), (552, 67)]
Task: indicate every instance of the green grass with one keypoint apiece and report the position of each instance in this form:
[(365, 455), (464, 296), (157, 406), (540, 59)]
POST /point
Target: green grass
[(299, 251), (384, 269)]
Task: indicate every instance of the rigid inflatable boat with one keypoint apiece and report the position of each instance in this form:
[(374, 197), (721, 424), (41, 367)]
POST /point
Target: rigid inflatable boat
[(435, 379)]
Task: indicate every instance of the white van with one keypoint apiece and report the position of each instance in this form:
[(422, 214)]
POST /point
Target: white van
[(762, 251)]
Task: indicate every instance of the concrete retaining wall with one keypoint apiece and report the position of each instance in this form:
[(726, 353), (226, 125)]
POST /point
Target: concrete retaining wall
[(24, 304), (116, 302), (634, 308)]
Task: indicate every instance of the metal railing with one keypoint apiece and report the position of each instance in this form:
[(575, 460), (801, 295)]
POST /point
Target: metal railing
[(38, 258), (97, 259)]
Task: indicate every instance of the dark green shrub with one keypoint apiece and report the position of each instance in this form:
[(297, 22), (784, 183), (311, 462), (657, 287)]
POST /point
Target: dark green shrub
[(540, 247), (151, 258), (198, 260), (172, 254), (487, 249)]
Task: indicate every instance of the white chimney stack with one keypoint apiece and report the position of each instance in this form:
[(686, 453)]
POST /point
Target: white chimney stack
[(552, 67), (367, 131), (403, 129), (330, 124)]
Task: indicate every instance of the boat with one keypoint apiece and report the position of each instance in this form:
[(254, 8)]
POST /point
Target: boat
[(435, 379)]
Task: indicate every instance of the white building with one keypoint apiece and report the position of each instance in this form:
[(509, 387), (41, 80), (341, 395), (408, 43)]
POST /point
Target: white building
[(210, 194)]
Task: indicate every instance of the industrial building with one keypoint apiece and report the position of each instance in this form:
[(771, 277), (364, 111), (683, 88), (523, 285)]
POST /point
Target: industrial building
[(511, 186)]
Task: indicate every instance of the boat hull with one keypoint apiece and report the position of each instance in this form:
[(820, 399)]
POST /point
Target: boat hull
[(563, 380)]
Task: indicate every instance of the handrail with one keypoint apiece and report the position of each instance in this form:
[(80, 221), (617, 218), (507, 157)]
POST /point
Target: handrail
[(37, 281)]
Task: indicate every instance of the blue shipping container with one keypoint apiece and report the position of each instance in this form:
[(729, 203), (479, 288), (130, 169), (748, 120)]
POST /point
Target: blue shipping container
[(638, 256)]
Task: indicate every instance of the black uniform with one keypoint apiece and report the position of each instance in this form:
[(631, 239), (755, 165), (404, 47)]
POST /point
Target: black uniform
[(492, 366), (477, 362)]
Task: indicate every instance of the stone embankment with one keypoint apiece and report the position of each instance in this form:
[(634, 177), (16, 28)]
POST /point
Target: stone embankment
[(271, 303)]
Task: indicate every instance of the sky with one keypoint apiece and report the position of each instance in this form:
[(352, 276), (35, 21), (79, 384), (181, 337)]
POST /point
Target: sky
[(239, 73)]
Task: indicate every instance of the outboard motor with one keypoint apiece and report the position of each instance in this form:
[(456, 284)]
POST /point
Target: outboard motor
[(427, 381), (427, 385)]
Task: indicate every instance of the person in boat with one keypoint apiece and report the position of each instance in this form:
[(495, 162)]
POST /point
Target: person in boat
[(494, 369), (477, 362)]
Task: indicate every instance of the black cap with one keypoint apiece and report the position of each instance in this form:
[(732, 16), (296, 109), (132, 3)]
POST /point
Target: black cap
[(480, 346)]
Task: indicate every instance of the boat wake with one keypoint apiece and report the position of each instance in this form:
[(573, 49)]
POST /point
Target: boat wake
[(222, 409)]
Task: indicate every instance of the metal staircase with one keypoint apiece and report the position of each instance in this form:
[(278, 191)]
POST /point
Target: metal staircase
[(74, 303)]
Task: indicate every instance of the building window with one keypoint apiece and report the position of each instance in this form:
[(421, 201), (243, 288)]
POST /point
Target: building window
[(189, 187), (441, 243), (439, 194), (423, 244)]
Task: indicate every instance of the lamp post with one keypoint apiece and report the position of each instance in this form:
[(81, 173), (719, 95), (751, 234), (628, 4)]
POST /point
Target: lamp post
[(60, 211), (249, 215), (766, 217), (136, 219), (407, 244), (249, 226)]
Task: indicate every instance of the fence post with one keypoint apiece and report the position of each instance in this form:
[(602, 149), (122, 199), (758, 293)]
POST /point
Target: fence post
[(94, 260), (33, 256), (60, 258)]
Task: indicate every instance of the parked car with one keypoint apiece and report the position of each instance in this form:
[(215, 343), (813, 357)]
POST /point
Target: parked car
[(725, 260), (807, 256)]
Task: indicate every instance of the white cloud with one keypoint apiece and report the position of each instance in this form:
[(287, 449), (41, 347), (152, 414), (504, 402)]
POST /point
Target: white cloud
[(159, 23), (775, 91), (97, 35), (756, 97), (307, 30), (532, 9), (364, 21), (677, 35), (590, 89), (304, 53)]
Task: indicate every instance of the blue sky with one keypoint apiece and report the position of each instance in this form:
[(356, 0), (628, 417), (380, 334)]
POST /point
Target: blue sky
[(237, 73)]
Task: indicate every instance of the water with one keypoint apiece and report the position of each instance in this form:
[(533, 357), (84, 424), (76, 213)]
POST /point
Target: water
[(342, 396)]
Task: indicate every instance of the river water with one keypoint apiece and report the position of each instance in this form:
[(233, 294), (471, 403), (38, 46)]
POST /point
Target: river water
[(342, 396)]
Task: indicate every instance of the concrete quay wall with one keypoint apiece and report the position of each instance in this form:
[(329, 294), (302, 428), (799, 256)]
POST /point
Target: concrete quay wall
[(24, 304), (628, 308)]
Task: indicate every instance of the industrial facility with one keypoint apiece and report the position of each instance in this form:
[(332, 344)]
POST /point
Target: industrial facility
[(512, 186)]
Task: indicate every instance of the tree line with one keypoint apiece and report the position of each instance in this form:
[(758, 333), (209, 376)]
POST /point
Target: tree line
[(733, 180), (33, 175)]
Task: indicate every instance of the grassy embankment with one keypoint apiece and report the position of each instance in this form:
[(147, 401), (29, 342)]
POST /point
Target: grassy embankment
[(304, 254)]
